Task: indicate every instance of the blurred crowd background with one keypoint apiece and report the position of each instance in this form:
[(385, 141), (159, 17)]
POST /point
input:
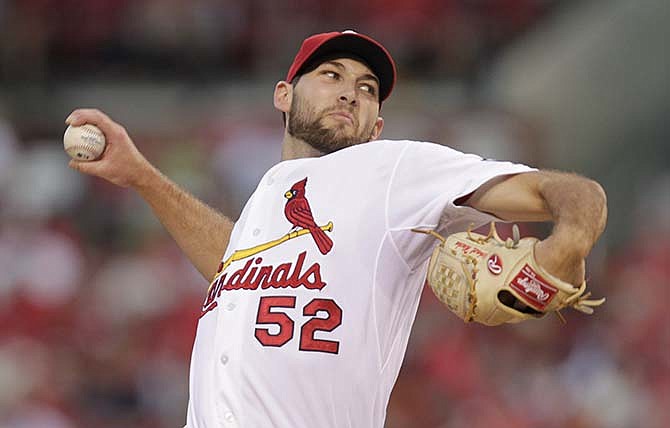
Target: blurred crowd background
[(98, 308)]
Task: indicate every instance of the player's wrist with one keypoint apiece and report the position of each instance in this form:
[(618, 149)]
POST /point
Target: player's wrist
[(561, 261), (572, 240), (145, 177)]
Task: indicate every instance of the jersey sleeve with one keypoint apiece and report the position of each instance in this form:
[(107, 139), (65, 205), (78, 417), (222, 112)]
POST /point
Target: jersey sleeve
[(428, 178)]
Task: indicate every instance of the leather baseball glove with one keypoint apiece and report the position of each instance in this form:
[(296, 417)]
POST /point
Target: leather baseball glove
[(493, 281)]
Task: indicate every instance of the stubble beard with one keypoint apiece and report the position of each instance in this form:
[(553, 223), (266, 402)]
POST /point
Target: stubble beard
[(305, 124)]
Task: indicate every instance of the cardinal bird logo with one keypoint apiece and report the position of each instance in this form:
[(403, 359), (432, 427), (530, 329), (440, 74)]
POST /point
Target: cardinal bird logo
[(299, 213)]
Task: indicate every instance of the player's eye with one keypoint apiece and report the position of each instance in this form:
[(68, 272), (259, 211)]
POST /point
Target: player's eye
[(370, 89), (332, 74)]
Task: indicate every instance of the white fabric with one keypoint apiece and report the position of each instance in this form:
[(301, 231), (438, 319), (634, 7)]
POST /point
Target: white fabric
[(374, 194)]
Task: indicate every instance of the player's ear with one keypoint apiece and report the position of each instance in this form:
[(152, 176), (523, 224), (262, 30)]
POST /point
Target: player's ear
[(377, 129), (283, 96)]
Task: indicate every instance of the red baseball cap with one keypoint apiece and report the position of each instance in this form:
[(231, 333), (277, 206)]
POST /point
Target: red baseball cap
[(372, 52)]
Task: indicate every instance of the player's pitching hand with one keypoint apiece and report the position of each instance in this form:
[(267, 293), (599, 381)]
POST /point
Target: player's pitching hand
[(121, 163)]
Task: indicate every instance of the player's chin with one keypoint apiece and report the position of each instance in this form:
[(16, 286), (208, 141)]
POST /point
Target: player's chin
[(342, 133), (344, 130)]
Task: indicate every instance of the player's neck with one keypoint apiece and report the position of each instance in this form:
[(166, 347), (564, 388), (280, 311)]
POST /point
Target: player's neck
[(293, 148)]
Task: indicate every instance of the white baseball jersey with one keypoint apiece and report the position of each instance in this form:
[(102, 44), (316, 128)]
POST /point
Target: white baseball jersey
[(307, 322)]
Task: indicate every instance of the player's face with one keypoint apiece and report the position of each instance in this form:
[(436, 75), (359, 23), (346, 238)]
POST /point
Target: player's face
[(335, 106)]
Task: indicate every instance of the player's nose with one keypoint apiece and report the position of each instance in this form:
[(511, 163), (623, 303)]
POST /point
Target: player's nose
[(348, 99), (348, 95)]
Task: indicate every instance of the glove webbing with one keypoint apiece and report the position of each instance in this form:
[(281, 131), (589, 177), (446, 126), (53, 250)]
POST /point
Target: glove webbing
[(471, 276)]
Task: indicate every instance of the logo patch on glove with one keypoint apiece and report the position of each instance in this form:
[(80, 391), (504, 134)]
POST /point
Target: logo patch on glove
[(494, 263), (535, 290)]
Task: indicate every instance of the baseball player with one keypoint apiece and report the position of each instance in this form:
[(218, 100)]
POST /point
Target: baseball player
[(314, 288)]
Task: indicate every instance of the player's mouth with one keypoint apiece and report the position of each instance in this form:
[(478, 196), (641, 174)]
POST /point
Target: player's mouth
[(343, 116)]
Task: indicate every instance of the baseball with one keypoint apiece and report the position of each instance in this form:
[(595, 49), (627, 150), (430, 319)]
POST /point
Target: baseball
[(84, 143)]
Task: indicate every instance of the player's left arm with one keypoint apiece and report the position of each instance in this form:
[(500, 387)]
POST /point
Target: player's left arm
[(576, 205)]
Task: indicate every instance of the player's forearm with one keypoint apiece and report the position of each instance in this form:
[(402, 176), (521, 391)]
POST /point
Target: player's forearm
[(578, 207), (201, 232)]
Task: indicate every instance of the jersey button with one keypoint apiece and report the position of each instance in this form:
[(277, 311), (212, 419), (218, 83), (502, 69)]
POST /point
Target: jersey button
[(229, 417), (224, 359), (230, 306)]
